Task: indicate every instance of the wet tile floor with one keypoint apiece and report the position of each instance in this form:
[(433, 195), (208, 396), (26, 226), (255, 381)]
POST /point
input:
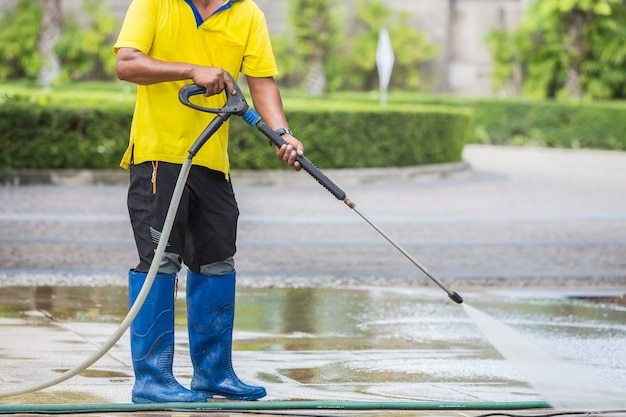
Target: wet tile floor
[(324, 344)]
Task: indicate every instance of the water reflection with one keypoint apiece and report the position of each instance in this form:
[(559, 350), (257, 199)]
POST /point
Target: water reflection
[(44, 298), (82, 304), (603, 299), (299, 308), (303, 319)]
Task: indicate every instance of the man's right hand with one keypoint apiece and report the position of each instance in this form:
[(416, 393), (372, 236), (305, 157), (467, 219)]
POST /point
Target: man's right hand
[(135, 66), (213, 79)]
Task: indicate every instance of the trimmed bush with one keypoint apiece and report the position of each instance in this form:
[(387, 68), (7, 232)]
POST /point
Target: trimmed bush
[(34, 135), (344, 139), (559, 124), (516, 121), (549, 123)]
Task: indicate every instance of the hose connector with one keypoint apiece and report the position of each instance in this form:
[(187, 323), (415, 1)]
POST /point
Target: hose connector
[(251, 117)]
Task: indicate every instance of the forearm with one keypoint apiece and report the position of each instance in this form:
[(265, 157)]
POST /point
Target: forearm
[(267, 101), (136, 67)]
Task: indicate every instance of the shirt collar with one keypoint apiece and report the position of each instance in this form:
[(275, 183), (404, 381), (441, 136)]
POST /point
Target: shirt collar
[(198, 16)]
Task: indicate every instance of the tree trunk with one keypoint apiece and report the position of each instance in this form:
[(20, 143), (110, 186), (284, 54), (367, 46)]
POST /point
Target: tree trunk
[(573, 85), (316, 78), (577, 52), (51, 24)]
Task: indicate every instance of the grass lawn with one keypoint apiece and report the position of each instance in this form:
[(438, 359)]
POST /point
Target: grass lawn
[(90, 94)]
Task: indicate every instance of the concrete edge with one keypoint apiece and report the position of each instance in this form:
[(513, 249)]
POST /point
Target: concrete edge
[(75, 177)]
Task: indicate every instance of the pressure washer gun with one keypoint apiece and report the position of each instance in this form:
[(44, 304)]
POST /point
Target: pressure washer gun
[(236, 105)]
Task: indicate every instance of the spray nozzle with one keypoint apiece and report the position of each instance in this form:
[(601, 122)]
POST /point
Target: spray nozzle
[(454, 296)]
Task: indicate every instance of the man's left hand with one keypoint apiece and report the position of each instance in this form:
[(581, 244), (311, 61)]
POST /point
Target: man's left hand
[(290, 151)]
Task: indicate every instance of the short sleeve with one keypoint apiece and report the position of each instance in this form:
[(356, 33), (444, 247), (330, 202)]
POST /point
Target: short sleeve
[(258, 59), (139, 26)]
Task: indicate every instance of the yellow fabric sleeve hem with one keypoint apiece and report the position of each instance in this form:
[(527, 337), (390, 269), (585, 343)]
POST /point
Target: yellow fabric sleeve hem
[(259, 74)]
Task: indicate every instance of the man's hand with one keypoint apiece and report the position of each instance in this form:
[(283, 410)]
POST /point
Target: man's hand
[(135, 66), (290, 151), (214, 79), (267, 101)]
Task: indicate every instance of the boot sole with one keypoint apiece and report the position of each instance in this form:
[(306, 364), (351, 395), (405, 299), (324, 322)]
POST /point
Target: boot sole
[(147, 401), (234, 397)]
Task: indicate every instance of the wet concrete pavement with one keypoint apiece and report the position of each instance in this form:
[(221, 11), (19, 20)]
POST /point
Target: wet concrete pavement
[(327, 310), (366, 344)]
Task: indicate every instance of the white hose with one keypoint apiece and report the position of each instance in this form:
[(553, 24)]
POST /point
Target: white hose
[(141, 297)]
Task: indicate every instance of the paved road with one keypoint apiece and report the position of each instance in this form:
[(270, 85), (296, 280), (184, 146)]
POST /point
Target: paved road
[(518, 217)]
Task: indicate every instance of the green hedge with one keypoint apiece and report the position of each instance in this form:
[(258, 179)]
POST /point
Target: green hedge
[(519, 121), (561, 124), (550, 123), (34, 135)]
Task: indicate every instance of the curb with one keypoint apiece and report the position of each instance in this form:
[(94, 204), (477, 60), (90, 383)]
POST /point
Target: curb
[(347, 176)]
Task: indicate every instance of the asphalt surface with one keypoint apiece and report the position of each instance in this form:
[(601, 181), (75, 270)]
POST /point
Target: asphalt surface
[(511, 217)]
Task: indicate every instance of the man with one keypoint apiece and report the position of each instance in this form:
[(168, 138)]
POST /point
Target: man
[(163, 45)]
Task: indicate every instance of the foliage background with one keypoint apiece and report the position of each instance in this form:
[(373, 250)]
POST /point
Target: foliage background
[(345, 47), (19, 38), (84, 48), (325, 52), (565, 48)]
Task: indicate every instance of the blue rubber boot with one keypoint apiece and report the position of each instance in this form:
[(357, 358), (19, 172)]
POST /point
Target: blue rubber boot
[(210, 316), (152, 343)]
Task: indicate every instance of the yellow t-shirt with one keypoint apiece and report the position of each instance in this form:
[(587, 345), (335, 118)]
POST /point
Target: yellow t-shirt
[(234, 38)]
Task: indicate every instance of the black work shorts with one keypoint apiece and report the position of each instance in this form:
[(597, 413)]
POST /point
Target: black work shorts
[(205, 229)]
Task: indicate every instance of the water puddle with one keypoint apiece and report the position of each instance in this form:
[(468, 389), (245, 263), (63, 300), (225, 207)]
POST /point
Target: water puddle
[(348, 344), (82, 304)]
